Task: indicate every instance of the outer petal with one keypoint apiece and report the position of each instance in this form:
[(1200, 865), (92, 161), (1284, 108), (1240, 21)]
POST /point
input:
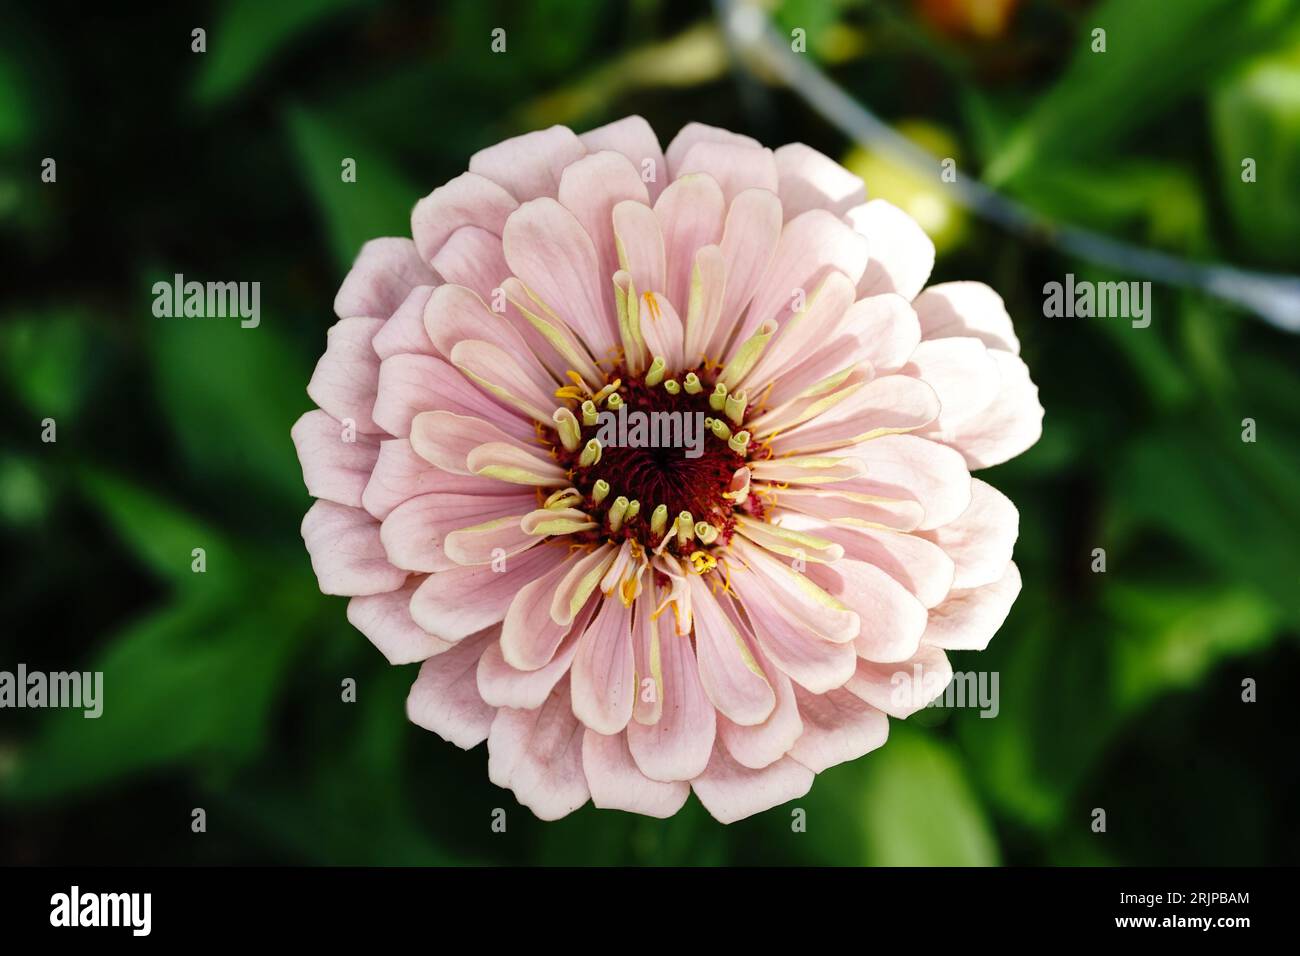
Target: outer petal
[(383, 275), (901, 254), (902, 688), (616, 783), (603, 679), (812, 180), (455, 604), (333, 467), (633, 137), (980, 541), (444, 697), (347, 375), (467, 200), (529, 165), (1012, 423), (346, 552), (538, 755), (968, 620), (731, 792), (386, 620), (968, 309), (837, 727)]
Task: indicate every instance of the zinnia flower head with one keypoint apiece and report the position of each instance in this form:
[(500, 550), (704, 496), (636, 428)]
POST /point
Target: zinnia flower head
[(626, 623)]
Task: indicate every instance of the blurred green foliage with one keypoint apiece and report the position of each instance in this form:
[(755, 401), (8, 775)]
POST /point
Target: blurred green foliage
[(1119, 690)]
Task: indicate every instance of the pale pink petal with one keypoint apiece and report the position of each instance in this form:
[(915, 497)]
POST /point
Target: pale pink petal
[(677, 746), (889, 330), (749, 241), (412, 384), (404, 331), (968, 620), (731, 792), (400, 474), (347, 374), (616, 783), (812, 180), (504, 686), (454, 604), (729, 672), (591, 189), (445, 699), (640, 244), (893, 620), (762, 744), (962, 373), (690, 213), (798, 595), (538, 754), (550, 252), (803, 655), (734, 167), (693, 133), (900, 254), (981, 539), (529, 637), (918, 564), (467, 200), (445, 439), (346, 552), (662, 330), (836, 727), (885, 406), (414, 532), (633, 137), (969, 309), (505, 378), (333, 467), (383, 275), (1011, 424), (473, 258), (901, 689), (603, 677), (811, 245), (529, 165), (905, 466), (456, 314), (386, 620)]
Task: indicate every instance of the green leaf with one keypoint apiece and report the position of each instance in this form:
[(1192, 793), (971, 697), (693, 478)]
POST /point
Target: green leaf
[(918, 808), (161, 535), (191, 683), (1156, 53), (231, 395), (377, 204), (247, 34), (45, 357)]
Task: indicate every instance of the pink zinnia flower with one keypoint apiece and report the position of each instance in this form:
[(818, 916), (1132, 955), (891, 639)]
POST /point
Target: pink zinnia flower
[(627, 624)]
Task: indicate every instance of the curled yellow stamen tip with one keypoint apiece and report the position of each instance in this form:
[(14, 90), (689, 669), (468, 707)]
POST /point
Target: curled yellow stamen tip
[(617, 511), (577, 380), (614, 401), (685, 527), (655, 374), (590, 454), (702, 562), (633, 509), (672, 387), (599, 490), (720, 429), (735, 407), (738, 442), (566, 424), (589, 414), (706, 532), (608, 390), (718, 400), (659, 519), (692, 384), (564, 498)]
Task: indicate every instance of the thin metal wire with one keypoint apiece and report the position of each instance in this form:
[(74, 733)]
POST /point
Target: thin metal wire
[(752, 38)]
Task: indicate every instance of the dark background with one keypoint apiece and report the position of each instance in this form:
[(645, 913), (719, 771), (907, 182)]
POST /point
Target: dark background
[(1119, 690)]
